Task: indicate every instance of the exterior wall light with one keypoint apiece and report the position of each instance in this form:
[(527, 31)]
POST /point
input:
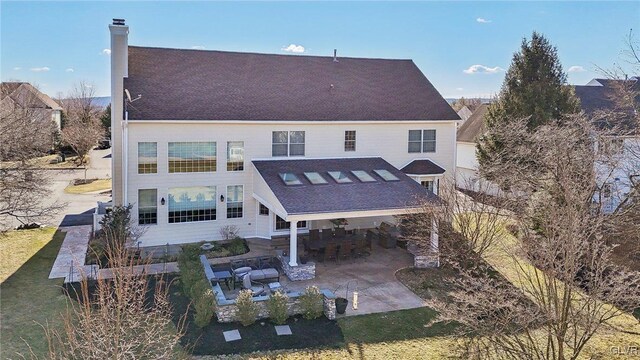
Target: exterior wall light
[(162, 201), (221, 198)]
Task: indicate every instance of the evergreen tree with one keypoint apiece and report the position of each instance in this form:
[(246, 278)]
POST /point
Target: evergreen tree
[(535, 87), (105, 120)]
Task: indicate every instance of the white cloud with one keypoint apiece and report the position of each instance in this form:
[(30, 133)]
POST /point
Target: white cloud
[(293, 48), (17, 68), (483, 20), (197, 47), (459, 89), (106, 51), (481, 69), (576, 68), (69, 70), (40, 69)]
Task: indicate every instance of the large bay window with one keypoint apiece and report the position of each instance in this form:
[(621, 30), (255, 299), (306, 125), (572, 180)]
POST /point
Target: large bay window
[(187, 204), (186, 157)]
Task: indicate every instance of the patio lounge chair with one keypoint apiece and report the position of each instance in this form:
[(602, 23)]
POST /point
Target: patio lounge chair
[(256, 288)]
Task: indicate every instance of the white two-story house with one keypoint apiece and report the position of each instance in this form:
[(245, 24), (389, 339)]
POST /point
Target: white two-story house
[(271, 144)]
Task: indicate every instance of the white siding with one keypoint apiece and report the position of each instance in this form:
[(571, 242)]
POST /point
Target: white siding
[(387, 140)]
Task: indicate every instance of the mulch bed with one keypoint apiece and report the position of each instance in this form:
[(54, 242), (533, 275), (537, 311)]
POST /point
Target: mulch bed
[(261, 336)]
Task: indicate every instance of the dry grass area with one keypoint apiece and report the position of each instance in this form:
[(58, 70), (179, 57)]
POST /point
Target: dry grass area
[(43, 162), (93, 186)]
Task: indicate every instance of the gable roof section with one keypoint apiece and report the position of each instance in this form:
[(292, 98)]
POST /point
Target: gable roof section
[(178, 84), (595, 98), (474, 127), (422, 167), (27, 96), (333, 197)]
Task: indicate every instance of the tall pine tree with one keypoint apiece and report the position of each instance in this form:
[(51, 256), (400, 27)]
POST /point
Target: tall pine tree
[(535, 87)]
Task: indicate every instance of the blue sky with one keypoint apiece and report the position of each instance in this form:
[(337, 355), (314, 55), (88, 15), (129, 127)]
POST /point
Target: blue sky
[(57, 44)]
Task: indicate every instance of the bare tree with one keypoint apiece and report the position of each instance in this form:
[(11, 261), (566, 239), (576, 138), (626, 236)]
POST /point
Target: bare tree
[(568, 288), (82, 129), (117, 319), (26, 131)]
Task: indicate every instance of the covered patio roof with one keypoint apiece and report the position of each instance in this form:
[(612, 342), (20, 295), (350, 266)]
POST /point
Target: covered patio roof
[(316, 189)]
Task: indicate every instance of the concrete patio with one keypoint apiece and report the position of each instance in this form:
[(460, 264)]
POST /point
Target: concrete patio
[(373, 278)]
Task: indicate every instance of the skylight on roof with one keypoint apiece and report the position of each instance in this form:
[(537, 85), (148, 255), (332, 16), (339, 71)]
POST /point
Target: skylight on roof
[(290, 179), (340, 177), (386, 175), (315, 178), (363, 176)]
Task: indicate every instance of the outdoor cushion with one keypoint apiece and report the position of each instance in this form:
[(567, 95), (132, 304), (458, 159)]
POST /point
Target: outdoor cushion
[(257, 274), (270, 273), (242, 270)]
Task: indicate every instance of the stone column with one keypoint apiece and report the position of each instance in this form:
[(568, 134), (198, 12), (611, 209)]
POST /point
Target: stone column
[(434, 235), (293, 244)]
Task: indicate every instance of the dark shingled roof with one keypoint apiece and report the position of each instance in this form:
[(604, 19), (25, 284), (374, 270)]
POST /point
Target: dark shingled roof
[(26, 95), (333, 197), (178, 84), (473, 128), (422, 167), (594, 98)]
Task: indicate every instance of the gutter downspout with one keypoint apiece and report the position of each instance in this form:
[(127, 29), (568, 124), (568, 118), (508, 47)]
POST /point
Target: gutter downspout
[(125, 157)]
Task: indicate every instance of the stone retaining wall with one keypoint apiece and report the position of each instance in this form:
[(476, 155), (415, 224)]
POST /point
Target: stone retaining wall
[(227, 310)]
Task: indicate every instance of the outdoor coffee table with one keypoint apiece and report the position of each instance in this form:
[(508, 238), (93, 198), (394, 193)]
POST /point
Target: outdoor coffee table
[(224, 276)]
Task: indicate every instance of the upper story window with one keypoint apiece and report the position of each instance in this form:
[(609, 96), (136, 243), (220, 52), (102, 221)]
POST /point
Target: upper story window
[(235, 156), (422, 141), (234, 201), (147, 158), (187, 204), (147, 206), (185, 157), (263, 210), (287, 143), (350, 140)]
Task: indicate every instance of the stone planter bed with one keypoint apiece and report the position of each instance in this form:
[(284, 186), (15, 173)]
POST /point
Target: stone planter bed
[(261, 336)]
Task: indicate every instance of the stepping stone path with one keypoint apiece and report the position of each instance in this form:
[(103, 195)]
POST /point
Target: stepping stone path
[(231, 335), (283, 330)]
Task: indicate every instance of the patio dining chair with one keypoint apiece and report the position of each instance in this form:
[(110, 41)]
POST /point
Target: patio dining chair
[(265, 262), (345, 250), (326, 235), (361, 249), (314, 235), (340, 233), (331, 251)]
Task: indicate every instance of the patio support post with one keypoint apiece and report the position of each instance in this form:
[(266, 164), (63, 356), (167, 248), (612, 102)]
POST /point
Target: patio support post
[(293, 244), (434, 234)]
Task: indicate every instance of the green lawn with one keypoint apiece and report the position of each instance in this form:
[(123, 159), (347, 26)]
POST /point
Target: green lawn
[(28, 298)]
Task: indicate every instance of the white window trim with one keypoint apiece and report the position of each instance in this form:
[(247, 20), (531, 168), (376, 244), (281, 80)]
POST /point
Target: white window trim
[(226, 200), (226, 163), (138, 159), (288, 143)]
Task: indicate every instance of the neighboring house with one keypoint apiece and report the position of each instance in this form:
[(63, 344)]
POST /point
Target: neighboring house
[(26, 96), (598, 100), (467, 175), (272, 144), (464, 113)]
